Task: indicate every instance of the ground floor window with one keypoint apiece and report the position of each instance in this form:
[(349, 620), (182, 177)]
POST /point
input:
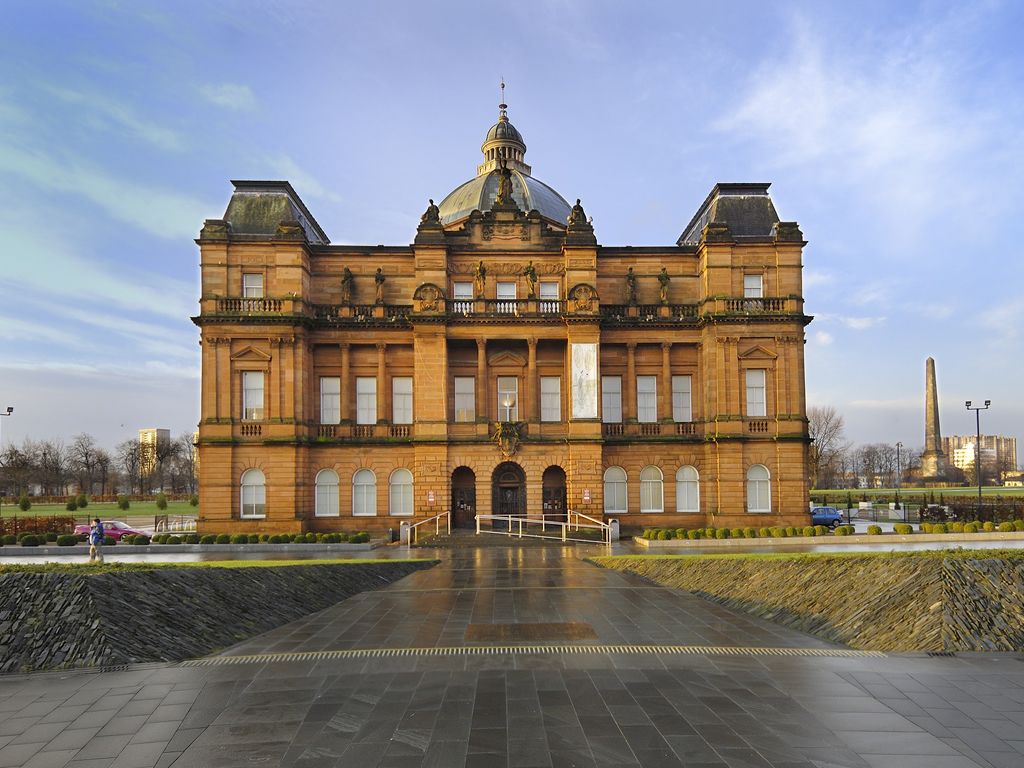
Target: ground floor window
[(364, 493), (759, 492), (254, 494), (652, 496), (401, 492), (687, 490), (326, 493), (615, 490)]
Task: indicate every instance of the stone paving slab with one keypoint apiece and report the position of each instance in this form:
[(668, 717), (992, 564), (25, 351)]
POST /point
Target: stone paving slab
[(495, 708)]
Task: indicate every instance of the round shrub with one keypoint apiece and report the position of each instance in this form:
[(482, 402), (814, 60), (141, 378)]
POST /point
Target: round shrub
[(9, 538), (264, 537), (161, 502), (694, 534), (971, 527), (71, 506), (737, 533), (254, 538), (209, 538), (988, 526), (903, 529), (874, 530), (1006, 527), (223, 538), (843, 530), (777, 532), (24, 504), (681, 533), (159, 538), (750, 533), (310, 538), (1018, 525), (173, 540), (275, 539), (140, 540), (31, 540), (193, 500), (663, 535), (191, 538), (109, 541), (360, 538), (925, 527), (764, 533), (939, 528), (709, 533), (343, 537), (809, 531), (791, 531), (239, 538), (82, 501), (722, 533), (822, 530), (67, 540), (50, 536), (123, 503)]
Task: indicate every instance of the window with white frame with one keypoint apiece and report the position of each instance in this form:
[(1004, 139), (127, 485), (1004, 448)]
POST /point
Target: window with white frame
[(652, 492), (252, 285), (615, 490), (252, 395), (508, 398), (401, 400), (687, 489), (330, 400), (753, 287), (755, 393), (646, 398), (759, 489), (401, 493), (326, 493), (549, 297), (550, 398), (465, 399), (462, 293), (366, 400), (506, 295), (681, 410), (253, 494), (611, 399), (364, 494)]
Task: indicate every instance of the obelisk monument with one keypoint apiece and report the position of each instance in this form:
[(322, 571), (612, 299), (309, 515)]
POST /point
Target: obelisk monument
[(933, 460)]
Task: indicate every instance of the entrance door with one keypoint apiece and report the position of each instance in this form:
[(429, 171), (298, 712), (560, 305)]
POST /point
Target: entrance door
[(463, 498), (553, 493), (508, 495)]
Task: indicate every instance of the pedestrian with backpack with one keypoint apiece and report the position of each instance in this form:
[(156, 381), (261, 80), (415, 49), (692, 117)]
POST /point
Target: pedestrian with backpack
[(96, 537)]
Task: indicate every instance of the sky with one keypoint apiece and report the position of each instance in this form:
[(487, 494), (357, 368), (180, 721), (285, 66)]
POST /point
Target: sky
[(892, 132)]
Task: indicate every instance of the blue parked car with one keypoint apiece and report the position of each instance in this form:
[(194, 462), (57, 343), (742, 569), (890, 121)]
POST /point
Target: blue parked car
[(829, 516)]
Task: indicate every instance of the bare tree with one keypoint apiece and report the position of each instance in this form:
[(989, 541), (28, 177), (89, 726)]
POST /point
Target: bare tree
[(185, 462), (825, 427), (83, 454), (129, 460)]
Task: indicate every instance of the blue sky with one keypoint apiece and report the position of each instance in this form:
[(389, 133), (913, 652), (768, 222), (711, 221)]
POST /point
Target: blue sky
[(891, 132)]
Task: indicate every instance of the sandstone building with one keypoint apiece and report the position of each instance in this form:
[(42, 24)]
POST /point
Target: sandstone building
[(503, 362)]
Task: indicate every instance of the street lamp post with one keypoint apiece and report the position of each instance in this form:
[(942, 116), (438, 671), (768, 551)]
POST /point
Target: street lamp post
[(899, 477), (977, 446), (8, 412)]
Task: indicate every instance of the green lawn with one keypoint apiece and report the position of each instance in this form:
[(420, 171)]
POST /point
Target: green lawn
[(103, 510)]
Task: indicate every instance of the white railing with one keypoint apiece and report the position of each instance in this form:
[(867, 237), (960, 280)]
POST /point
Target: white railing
[(519, 526), (436, 520)]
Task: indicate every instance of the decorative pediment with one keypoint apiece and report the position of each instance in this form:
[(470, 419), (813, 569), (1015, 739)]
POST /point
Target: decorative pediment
[(757, 352), (506, 358), (429, 298), (583, 298), (251, 355)]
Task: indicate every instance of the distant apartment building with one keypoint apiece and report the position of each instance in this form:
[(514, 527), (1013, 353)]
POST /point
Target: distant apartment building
[(148, 440), (997, 452)]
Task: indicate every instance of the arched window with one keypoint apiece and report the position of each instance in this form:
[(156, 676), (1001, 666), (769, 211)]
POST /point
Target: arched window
[(615, 490), (326, 493), (254, 494), (364, 493), (401, 492), (759, 489), (687, 490), (652, 496)]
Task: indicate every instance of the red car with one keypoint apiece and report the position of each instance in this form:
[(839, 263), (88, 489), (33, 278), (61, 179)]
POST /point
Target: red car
[(112, 528)]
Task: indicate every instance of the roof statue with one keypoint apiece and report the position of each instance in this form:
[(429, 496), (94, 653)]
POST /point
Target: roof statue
[(432, 215)]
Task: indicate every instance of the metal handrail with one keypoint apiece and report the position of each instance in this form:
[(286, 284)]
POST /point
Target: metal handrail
[(436, 519), (566, 526)]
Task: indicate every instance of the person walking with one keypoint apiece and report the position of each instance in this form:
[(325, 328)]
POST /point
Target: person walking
[(96, 537)]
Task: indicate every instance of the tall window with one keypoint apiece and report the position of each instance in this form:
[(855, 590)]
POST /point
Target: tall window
[(330, 400), (463, 295), (611, 399), (254, 494), (252, 395), (550, 398), (364, 493), (465, 399), (646, 398), (752, 287), (326, 493), (401, 492), (755, 393), (508, 398), (401, 400), (366, 400), (687, 490), (759, 489), (252, 285), (506, 294), (549, 297), (681, 410), (615, 489), (652, 494)]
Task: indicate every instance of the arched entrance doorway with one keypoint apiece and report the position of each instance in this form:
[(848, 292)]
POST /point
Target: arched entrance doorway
[(463, 498), (508, 490), (553, 493)]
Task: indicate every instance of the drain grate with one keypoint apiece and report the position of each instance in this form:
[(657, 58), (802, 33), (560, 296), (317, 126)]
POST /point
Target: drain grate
[(529, 650), (944, 654)]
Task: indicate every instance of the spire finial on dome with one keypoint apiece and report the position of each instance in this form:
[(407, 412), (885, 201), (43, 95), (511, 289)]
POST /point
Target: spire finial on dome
[(502, 106)]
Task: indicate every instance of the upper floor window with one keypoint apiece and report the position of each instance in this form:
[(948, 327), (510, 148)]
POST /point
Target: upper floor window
[(252, 285), (252, 395), (506, 295), (465, 399), (550, 398), (508, 398), (462, 293), (681, 410), (755, 393), (549, 297), (646, 398), (753, 287), (401, 400), (330, 400), (366, 400), (611, 399)]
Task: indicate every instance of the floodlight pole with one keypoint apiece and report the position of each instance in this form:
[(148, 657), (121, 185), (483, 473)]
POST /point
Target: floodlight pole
[(977, 445), (7, 412)]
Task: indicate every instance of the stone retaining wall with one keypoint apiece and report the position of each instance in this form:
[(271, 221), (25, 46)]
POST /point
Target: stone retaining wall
[(71, 620), (882, 603)]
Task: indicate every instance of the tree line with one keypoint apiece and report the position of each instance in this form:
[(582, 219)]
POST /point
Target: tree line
[(53, 468)]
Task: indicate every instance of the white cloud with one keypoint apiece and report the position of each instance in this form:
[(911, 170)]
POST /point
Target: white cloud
[(813, 278), (822, 338), (861, 323), (108, 110), (229, 95), (303, 182), (1003, 321), (893, 404)]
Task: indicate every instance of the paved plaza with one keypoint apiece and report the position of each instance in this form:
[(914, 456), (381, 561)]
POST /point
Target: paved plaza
[(523, 657)]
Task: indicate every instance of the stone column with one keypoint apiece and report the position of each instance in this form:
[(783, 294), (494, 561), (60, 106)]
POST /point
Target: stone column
[(933, 460), (482, 407), (629, 390), (532, 411), (345, 383), (382, 393), (665, 401)]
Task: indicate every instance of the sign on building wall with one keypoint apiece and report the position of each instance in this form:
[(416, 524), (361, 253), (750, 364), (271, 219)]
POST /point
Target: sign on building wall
[(584, 381)]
